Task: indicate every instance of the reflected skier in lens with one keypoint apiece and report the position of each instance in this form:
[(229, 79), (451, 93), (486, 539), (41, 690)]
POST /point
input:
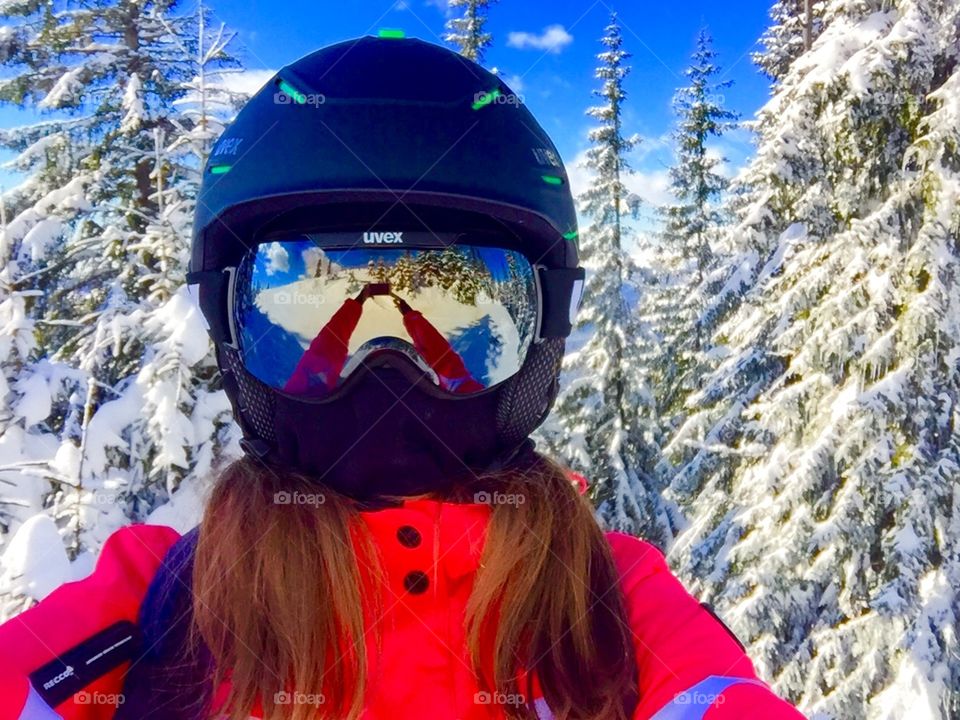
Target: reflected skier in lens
[(439, 354), (322, 362)]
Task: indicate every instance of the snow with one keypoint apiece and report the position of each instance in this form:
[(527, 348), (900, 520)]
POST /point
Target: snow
[(918, 689), (180, 321), (34, 404), (132, 105), (183, 512), (41, 237), (69, 88), (35, 560), (107, 428)]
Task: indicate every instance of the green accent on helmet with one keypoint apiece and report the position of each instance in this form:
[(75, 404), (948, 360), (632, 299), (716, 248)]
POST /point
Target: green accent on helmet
[(220, 169), (391, 33), (288, 89), (382, 80), (486, 99), (572, 235), (552, 179)]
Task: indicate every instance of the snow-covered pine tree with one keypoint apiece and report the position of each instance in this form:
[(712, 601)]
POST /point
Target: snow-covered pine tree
[(33, 393), (466, 32), (821, 459), (123, 156), (209, 101), (604, 421), (18, 413), (795, 24), (184, 419), (188, 422), (36, 216), (684, 256)]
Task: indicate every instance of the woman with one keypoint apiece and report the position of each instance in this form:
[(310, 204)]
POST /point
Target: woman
[(391, 546)]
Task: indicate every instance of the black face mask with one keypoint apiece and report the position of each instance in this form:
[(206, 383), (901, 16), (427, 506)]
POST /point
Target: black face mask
[(390, 433), (386, 436)]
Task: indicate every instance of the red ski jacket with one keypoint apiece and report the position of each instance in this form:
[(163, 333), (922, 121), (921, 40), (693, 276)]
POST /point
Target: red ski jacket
[(68, 656)]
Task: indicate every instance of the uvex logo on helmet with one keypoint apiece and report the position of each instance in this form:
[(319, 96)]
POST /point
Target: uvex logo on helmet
[(382, 238)]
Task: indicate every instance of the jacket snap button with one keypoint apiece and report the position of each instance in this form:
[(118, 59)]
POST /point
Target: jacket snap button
[(408, 536), (416, 582)]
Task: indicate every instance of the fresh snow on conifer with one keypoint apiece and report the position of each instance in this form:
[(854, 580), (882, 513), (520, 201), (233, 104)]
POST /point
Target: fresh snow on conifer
[(603, 419), (109, 403), (818, 464), (683, 261), (466, 30)]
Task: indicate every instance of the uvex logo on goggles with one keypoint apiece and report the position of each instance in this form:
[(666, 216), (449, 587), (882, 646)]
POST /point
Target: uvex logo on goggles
[(382, 238)]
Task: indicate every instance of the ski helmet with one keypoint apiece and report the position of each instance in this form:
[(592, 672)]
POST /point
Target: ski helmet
[(388, 135)]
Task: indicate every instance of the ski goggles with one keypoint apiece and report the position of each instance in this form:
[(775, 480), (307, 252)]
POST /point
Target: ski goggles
[(306, 312)]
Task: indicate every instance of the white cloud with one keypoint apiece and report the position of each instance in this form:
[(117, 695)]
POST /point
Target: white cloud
[(554, 38), (247, 81), (653, 186), (278, 260), (659, 149), (441, 5), (723, 168), (514, 82), (578, 175)]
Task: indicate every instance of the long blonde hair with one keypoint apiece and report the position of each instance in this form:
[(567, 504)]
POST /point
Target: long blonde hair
[(277, 598)]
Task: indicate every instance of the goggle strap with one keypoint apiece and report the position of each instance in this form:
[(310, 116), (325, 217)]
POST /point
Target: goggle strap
[(255, 447), (214, 302), (557, 287)]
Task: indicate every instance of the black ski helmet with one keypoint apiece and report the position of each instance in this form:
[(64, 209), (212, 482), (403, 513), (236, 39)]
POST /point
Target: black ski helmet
[(387, 134)]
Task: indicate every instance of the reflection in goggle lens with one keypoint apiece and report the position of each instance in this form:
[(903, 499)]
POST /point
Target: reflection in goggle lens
[(306, 316)]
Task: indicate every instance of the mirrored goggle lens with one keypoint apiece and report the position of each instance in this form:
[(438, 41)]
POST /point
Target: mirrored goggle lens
[(306, 316)]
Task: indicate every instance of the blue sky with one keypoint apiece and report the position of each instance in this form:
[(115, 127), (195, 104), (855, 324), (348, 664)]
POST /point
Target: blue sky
[(545, 50)]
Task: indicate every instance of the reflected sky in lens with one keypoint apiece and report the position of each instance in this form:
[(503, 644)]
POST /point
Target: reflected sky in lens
[(287, 261)]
